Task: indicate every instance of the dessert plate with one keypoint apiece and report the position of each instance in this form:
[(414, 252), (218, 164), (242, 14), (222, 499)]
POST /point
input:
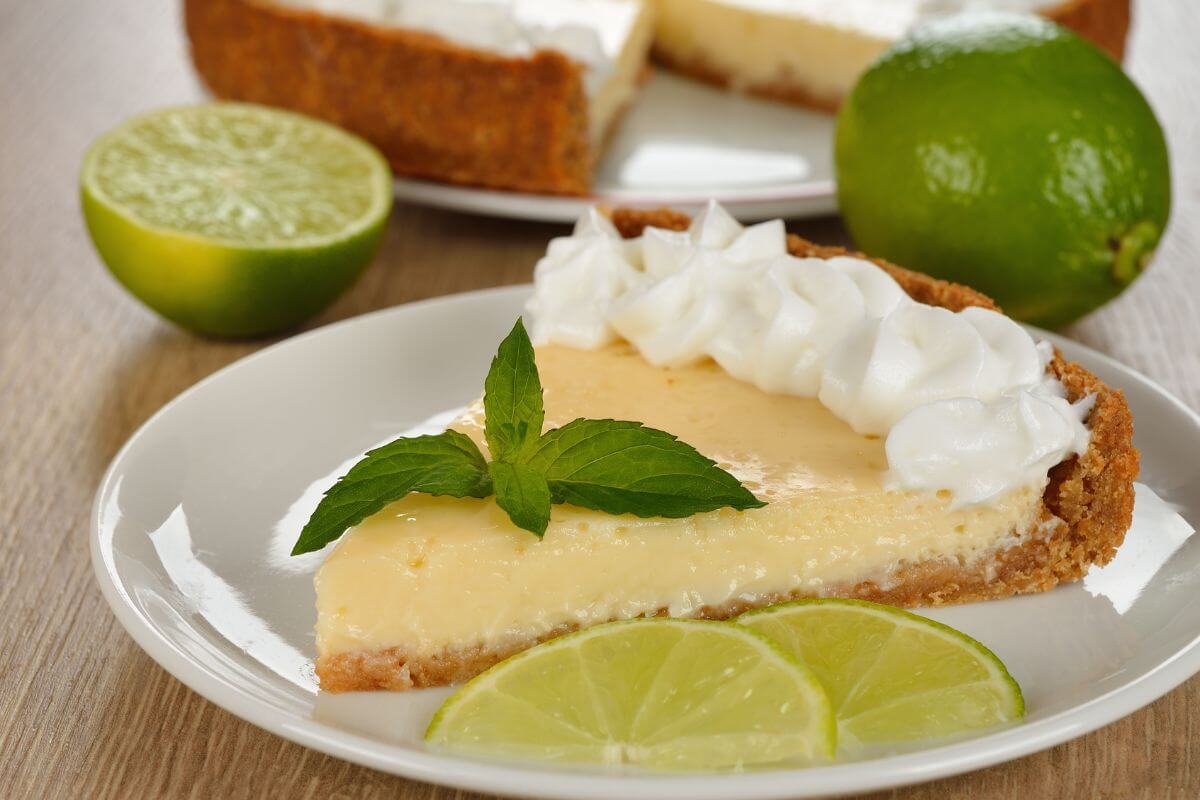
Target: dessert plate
[(679, 144), (194, 520)]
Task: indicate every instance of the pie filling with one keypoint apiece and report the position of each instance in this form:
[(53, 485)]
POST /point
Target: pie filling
[(435, 575), (819, 47), (816, 47)]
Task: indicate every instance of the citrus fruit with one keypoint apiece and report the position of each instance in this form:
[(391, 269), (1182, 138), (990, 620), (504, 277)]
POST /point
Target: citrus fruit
[(1004, 152), (661, 693), (233, 219), (891, 675)]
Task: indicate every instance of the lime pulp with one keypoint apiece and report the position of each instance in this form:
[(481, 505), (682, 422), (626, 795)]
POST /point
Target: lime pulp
[(659, 693)]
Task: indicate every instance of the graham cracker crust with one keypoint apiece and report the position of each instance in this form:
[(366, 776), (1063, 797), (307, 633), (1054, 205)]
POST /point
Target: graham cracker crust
[(1105, 23), (1086, 509), (435, 110)]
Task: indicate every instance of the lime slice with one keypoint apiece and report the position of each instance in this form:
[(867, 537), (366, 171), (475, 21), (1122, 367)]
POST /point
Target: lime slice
[(659, 693), (891, 675), (233, 219)]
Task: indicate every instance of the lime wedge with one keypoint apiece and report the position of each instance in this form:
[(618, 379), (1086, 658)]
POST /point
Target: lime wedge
[(233, 219), (659, 693), (891, 675)]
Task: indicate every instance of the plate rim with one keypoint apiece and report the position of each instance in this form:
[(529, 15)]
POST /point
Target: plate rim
[(546, 782), (795, 200)]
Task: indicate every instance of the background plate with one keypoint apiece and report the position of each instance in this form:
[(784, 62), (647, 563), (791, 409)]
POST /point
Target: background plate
[(196, 515), (680, 143)]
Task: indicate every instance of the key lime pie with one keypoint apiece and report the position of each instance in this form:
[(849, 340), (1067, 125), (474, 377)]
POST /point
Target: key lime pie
[(895, 437), (811, 52), (522, 94), (517, 94)]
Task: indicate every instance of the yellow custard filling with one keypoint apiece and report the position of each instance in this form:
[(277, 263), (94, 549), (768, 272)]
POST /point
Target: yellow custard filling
[(434, 574)]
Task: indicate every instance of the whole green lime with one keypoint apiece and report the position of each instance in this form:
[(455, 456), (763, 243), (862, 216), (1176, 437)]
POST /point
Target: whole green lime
[(233, 219), (1004, 152)]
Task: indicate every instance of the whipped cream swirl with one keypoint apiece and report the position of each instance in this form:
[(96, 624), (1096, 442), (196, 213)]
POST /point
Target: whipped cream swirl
[(982, 450), (579, 280), (964, 398), (694, 281), (919, 354)]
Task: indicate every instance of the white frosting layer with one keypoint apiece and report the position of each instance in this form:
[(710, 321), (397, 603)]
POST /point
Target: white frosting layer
[(592, 32), (963, 398), (888, 19)]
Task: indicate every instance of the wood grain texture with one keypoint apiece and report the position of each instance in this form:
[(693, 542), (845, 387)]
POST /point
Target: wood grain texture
[(83, 712)]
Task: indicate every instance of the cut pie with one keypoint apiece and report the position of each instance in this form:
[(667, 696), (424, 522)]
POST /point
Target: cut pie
[(811, 52), (517, 95), (431, 591), (522, 94)]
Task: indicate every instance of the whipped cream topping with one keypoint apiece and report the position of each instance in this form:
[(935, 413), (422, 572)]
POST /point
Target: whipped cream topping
[(694, 281), (591, 32), (963, 398), (981, 450), (919, 354), (579, 280)]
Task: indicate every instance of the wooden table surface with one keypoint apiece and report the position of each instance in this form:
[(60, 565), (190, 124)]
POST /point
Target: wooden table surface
[(83, 711)]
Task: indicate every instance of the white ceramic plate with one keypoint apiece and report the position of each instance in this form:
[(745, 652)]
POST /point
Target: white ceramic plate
[(196, 515), (679, 144)]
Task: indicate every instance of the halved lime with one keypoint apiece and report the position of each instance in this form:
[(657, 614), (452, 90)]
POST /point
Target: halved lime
[(891, 675), (233, 219), (660, 693)]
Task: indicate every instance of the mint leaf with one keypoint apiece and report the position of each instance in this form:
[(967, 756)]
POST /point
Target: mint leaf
[(626, 468), (446, 464), (523, 494), (512, 398)]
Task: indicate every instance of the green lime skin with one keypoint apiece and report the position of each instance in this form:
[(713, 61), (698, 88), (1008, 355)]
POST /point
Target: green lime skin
[(220, 290), (234, 220), (1004, 152)]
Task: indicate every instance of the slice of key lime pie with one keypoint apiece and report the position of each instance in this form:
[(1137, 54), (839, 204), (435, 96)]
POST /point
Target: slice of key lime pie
[(876, 434)]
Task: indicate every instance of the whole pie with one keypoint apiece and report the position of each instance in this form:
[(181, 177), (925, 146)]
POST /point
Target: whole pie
[(913, 447), (523, 94)]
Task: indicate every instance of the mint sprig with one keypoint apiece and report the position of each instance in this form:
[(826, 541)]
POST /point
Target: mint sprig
[(606, 465)]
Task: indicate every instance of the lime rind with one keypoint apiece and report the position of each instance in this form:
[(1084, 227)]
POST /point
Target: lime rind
[(567, 730)]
